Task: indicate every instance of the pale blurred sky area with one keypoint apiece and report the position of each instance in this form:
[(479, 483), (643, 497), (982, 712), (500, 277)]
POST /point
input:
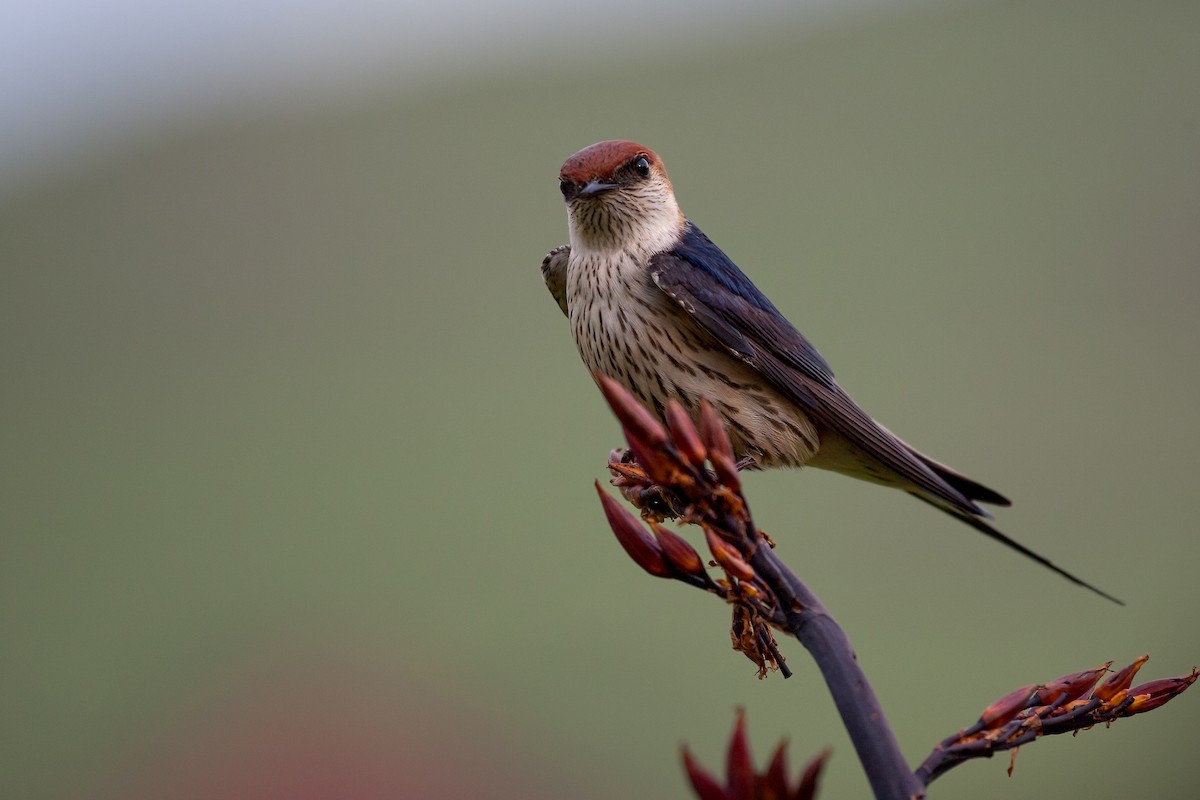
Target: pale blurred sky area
[(80, 78)]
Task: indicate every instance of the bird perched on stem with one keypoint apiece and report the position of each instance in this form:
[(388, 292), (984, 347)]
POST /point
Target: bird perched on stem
[(655, 305)]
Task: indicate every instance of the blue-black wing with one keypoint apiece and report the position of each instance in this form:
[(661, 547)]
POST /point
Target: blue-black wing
[(710, 287)]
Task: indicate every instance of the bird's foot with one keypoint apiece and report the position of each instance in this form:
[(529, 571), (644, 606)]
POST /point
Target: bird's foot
[(654, 501)]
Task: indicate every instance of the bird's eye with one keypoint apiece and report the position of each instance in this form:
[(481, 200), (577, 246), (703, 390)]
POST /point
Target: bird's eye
[(565, 186), (641, 165)]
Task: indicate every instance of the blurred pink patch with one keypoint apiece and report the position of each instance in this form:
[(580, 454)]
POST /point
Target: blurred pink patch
[(318, 731)]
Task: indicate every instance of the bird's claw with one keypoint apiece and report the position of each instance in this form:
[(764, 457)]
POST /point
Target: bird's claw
[(654, 501)]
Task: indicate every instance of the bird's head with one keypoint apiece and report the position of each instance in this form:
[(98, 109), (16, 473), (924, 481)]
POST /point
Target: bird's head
[(618, 197)]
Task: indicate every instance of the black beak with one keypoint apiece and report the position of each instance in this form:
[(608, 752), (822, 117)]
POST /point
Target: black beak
[(595, 187)]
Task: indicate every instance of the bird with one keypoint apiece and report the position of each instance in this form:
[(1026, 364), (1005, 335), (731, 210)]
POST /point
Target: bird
[(654, 304)]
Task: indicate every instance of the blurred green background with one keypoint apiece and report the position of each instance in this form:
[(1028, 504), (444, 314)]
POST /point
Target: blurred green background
[(298, 453)]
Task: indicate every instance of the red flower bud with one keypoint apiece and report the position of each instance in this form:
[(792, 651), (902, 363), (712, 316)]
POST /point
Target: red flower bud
[(703, 782), (1150, 696), (1119, 681), (775, 779), (687, 438), (739, 768), (646, 436), (727, 556), (712, 431), (1073, 686), (726, 470), (640, 545), (807, 790), (1007, 707), (632, 414), (677, 550)]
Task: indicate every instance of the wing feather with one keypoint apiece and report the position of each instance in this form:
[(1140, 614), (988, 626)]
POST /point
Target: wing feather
[(554, 273), (724, 302), (710, 287)]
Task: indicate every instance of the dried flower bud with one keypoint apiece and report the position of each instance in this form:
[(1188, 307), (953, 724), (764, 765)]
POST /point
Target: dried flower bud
[(749, 589)]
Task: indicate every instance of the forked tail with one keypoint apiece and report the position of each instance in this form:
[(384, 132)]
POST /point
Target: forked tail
[(981, 525)]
